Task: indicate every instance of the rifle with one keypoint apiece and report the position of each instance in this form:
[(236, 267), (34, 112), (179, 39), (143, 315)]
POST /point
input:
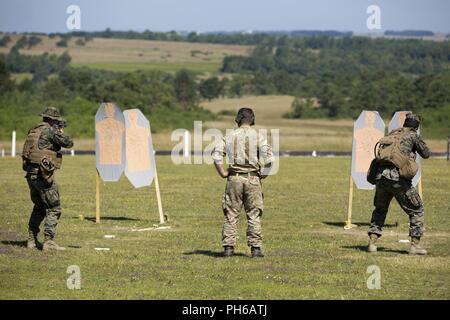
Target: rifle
[(60, 124)]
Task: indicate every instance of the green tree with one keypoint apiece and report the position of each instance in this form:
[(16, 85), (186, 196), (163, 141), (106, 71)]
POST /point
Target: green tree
[(62, 43), (5, 40), (33, 41), (185, 87), (211, 88), (5, 82)]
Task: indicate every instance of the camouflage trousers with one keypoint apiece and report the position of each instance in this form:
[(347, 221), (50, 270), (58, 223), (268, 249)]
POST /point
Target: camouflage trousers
[(408, 199), (45, 197), (243, 191)]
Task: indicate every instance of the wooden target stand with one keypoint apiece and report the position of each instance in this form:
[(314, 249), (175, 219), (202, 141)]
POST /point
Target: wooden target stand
[(162, 217)]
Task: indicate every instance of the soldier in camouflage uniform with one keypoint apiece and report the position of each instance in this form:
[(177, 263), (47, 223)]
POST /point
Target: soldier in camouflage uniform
[(389, 185), (41, 157), (244, 148)]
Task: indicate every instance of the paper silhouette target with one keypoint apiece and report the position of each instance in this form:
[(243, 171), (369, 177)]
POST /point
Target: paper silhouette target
[(397, 122), (110, 141), (368, 129), (140, 163)]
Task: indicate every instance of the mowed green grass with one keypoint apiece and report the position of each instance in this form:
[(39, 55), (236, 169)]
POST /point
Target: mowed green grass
[(308, 254)]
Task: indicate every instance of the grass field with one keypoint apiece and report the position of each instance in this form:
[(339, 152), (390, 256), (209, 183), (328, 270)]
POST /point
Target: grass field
[(308, 254), (130, 55)]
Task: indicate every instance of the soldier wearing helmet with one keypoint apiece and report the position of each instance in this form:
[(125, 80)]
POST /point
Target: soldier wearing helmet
[(41, 157)]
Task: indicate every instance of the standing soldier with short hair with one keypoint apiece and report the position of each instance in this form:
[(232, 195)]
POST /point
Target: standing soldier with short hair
[(41, 157), (390, 184), (244, 148)]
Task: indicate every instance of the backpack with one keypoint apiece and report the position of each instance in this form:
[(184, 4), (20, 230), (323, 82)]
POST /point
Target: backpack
[(388, 151), (31, 152)]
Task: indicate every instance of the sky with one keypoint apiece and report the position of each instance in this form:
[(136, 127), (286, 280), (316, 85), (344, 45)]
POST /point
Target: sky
[(225, 15)]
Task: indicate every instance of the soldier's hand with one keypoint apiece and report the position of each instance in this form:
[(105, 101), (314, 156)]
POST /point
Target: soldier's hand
[(224, 174)]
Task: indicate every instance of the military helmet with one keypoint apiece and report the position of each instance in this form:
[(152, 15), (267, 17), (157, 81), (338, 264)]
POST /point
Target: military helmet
[(247, 114), (52, 113), (412, 121)]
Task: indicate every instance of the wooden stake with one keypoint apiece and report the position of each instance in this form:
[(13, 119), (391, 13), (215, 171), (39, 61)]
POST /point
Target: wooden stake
[(349, 224), (419, 188), (97, 197), (158, 198)]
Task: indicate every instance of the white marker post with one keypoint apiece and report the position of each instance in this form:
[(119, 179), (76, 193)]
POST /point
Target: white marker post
[(187, 144), (3, 153), (13, 144)]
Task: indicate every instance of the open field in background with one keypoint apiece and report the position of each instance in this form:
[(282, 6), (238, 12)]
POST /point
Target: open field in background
[(311, 134), (130, 55), (308, 254), (295, 134)]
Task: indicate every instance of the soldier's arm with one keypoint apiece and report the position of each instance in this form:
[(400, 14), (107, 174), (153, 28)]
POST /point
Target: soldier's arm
[(218, 154), (422, 148), (221, 170), (61, 139), (266, 153)]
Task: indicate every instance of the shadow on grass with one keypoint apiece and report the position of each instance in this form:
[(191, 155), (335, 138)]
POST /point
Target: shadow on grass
[(20, 243), (213, 254), (92, 219), (380, 249), (360, 224), (15, 243)]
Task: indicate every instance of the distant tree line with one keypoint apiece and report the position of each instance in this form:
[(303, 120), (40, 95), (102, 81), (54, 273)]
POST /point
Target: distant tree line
[(347, 75), (41, 66), (222, 37), (409, 33), (24, 42), (169, 100)]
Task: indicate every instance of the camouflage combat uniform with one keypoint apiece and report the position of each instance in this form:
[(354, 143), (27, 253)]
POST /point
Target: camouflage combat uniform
[(243, 188), (390, 184), (40, 177)]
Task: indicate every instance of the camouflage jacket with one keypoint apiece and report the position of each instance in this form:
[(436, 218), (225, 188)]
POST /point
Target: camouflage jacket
[(245, 148), (50, 139), (410, 144)]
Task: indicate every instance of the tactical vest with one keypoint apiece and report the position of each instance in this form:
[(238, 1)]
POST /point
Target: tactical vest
[(388, 151), (31, 152)]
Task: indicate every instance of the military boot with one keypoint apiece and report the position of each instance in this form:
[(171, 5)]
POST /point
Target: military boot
[(49, 244), (228, 251), (372, 240), (416, 248), (32, 242), (257, 252)]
